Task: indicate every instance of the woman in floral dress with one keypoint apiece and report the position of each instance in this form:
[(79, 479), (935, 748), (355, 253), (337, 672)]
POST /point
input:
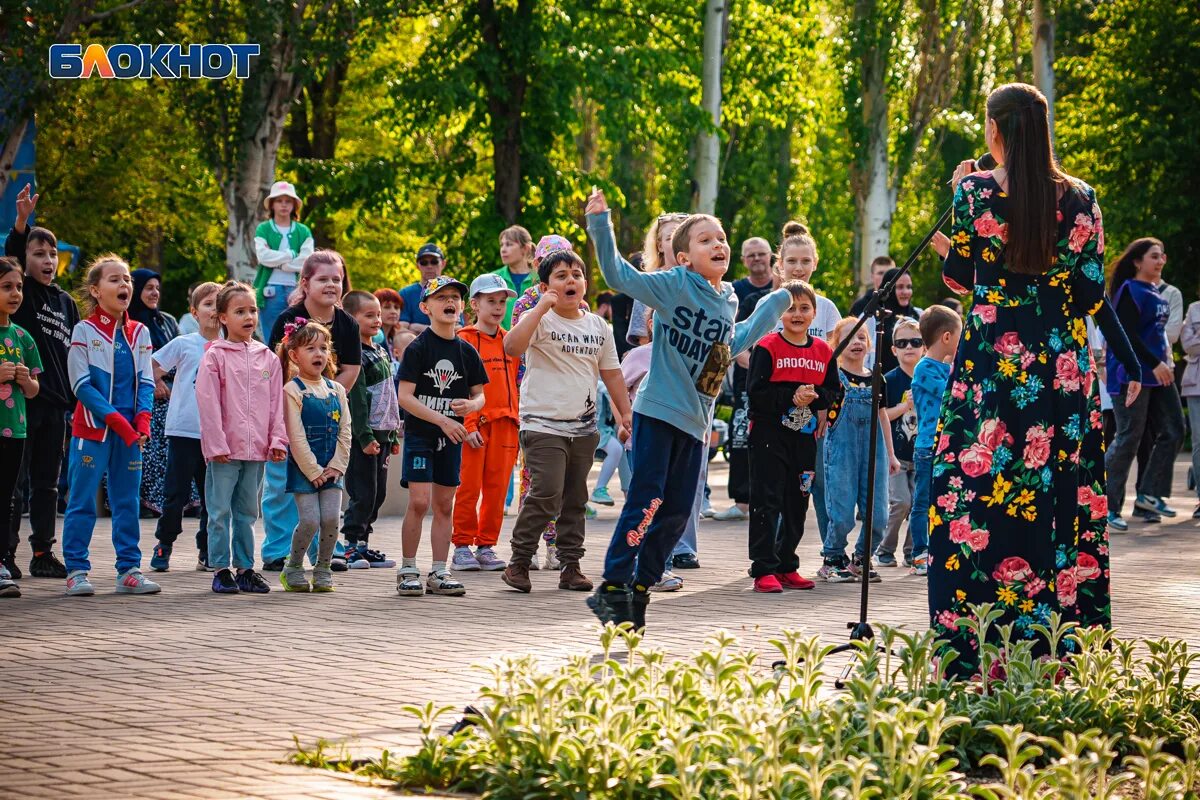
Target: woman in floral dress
[(1019, 509)]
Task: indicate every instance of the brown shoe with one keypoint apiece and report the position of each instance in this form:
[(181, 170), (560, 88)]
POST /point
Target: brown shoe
[(573, 579), (517, 576)]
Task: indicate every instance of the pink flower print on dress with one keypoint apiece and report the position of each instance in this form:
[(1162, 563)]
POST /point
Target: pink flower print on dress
[(976, 460), (1081, 233), (1012, 570), (988, 226), (1067, 376)]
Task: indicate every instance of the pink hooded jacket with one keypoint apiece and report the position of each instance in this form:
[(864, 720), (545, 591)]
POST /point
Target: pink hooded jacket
[(239, 392)]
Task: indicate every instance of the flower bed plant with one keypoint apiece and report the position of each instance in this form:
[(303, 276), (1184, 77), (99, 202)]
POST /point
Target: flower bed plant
[(1110, 720)]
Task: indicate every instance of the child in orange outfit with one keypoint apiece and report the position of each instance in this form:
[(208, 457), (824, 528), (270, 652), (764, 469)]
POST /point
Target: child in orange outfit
[(488, 460)]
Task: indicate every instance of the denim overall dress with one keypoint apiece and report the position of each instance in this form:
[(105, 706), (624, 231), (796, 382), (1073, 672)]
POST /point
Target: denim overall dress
[(321, 418), (845, 456)]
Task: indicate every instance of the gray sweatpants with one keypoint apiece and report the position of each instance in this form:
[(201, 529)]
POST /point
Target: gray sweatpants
[(319, 510)]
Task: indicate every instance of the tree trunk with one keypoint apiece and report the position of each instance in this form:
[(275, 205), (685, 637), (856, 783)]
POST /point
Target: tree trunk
[(708, 142), (505, 84), (874, 198), (8, 155), (1043, 54), (246, 187)]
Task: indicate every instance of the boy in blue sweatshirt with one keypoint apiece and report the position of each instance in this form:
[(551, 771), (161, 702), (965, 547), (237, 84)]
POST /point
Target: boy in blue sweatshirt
[(940, 328), (694, 342)]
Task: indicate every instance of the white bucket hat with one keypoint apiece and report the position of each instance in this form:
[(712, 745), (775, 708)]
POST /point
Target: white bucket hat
[(282, 189)]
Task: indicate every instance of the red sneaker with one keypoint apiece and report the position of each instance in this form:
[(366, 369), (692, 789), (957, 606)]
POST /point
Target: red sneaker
[(767, 584), (794, 580)]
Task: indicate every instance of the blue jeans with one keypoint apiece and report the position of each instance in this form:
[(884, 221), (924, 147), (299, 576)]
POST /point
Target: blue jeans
[(87, 463), (279, 513), (687, 544), (846, 463), (662, 494), (231, 492), (818, 491), (276, 303), (918, 523)]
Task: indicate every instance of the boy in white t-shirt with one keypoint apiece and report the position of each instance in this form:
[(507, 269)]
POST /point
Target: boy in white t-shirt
[(568, 348)]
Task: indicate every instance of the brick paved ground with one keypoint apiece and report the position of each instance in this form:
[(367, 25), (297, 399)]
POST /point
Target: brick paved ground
[(189, 694)]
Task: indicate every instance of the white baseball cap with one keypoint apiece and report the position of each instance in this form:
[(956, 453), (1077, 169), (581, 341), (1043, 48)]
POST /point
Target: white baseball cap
[(490, 283)]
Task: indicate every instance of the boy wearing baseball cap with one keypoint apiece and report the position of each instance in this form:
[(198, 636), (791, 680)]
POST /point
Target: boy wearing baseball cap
[(441, 382), (488, 460)]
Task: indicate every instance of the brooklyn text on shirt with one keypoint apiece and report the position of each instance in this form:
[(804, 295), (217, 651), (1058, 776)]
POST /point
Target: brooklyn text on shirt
[(786, 362)]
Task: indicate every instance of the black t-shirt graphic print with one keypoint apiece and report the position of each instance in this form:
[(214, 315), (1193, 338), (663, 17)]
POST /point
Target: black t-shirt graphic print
[(443, 370)]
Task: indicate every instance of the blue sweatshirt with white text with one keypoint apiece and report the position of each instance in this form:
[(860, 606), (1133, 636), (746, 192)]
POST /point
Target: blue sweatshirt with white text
[(695, 338)]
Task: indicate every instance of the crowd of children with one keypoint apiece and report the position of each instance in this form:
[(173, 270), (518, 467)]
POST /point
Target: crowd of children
[(343, 383)]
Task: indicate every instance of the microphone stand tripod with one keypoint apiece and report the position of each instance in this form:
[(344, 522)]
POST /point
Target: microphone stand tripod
[(860, 629)]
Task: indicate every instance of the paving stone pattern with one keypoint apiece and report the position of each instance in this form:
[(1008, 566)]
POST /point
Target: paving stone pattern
[(188, 694)]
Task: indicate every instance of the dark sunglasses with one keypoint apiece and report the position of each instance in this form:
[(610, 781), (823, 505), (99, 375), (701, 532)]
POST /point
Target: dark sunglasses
[(900, 344), (428, 262)]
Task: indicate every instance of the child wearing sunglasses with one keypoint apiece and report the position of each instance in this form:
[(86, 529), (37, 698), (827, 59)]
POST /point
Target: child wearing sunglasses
[(908, 348)]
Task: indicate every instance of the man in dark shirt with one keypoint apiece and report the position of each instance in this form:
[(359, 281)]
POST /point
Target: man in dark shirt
[(756, 256)]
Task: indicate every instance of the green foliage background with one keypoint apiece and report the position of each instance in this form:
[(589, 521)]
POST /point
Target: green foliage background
[(609, 96)]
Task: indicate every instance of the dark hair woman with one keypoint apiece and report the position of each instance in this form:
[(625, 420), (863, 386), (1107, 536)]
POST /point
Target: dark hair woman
[(144, 307), (1143, 313), (1017, 481)]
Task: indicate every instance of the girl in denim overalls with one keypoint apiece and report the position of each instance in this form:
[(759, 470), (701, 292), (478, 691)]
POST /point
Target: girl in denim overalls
[(318, 424), (846, 463)]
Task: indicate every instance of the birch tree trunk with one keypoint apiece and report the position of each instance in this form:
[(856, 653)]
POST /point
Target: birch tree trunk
[(244, 187), (1043, 54), (708, 143), (876, 199)]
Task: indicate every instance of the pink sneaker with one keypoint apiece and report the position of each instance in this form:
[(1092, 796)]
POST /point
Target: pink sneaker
[(767, 584), (132, 581), (794, 580)]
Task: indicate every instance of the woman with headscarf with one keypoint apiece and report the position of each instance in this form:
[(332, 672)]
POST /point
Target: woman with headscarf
[(147, 291), (899, 303)]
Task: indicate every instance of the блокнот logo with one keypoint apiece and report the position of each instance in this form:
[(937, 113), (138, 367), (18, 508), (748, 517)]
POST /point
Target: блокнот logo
[(125, 61)]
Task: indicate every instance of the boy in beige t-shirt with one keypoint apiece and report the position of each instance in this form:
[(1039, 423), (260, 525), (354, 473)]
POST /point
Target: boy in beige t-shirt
[(567, 349)]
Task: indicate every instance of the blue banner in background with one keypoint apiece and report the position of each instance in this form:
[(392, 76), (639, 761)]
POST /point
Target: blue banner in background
[(22, 173)]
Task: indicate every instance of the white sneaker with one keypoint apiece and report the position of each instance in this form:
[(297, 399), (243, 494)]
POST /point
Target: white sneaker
[(132, 581), (78, 584), (533, 562), (670, 583), (408, 582), (706, 509), (552, 561), (464, 560), (444, 583), (731, 514)]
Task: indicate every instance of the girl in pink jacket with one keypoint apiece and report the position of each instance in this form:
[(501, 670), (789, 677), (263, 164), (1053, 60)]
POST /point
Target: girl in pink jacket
[(239, 393)]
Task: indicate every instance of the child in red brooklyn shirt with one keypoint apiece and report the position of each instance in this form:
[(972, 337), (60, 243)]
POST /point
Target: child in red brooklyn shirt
[(790, 383)]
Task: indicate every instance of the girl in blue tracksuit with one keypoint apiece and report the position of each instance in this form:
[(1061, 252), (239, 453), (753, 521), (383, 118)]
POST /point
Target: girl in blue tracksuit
[(695, 340), (112, 377)]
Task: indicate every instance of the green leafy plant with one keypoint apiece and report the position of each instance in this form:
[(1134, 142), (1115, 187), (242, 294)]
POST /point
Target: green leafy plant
[(1111, 719)]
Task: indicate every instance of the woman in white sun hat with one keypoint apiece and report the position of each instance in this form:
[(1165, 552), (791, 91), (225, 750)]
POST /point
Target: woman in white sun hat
[(281, 243)]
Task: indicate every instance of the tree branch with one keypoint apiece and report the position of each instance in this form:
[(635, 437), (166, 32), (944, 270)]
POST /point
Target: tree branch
[(92, 19)]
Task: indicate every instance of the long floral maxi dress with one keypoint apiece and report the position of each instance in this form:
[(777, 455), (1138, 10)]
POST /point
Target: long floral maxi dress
[(1018, 503)]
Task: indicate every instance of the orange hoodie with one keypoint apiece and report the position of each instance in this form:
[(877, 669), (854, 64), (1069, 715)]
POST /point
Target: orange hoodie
[(500, 394)]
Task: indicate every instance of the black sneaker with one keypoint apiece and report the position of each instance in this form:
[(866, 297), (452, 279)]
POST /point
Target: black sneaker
[(47, 565), (224, 583), (686, 561), (641, 599), (611, 603), (338, 564), (1148, 517), (251, 582), (274, 565), (10, 563), (858, 569)]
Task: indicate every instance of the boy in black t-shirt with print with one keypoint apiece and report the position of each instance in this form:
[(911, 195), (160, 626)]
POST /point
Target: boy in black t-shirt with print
[(441, 382)]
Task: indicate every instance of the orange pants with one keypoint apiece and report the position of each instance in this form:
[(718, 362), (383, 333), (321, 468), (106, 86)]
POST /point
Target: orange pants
[(485, 470)]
